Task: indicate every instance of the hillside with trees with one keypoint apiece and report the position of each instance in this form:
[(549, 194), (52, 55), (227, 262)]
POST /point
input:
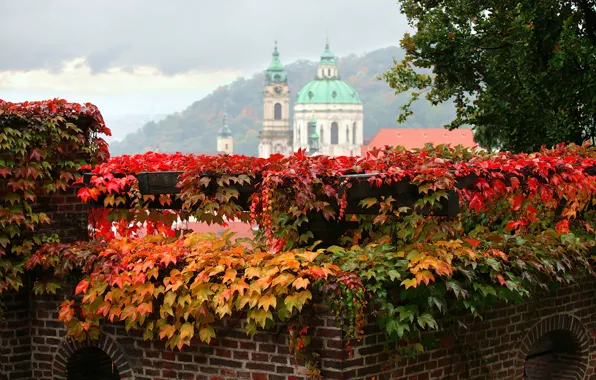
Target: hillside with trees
[(195, 129)]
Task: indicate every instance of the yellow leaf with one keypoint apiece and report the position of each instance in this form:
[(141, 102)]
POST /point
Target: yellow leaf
[(268, 301), (297, 300), (206, 334), (252, 272), (301, 283), (187, 330), (409, 283), (283, 279), (309, 256), (260, 316)]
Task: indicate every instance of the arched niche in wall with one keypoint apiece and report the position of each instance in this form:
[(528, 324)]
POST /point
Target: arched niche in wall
[(557, 347), (93, 359), (277, 111)]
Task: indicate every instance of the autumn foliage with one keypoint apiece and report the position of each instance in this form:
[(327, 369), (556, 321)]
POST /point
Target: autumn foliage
[(525, 223), (42, 146)]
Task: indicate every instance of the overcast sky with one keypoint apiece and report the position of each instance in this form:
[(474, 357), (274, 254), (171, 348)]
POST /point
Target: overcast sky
[(158, 56)]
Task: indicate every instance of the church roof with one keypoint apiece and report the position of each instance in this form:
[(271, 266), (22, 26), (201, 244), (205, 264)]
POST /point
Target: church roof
[(328, 57), (225, 131), (327, 90), (276, 71)]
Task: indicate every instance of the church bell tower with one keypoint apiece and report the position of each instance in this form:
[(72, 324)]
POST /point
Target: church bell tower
[(275, 137)]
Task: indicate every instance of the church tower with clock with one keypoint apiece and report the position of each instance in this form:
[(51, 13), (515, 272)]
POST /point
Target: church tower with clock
[(276, 136)]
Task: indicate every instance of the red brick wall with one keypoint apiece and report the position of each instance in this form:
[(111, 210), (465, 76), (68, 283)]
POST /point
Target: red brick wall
[(495, 347), (33, 342), (69, 216)]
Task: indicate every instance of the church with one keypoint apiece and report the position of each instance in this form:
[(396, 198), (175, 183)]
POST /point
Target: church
[(328, 114)]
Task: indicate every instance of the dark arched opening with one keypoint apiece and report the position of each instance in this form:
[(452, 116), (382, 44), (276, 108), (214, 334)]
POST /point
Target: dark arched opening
[(277, 111), (556, 355), (91, 363), (334, 133)]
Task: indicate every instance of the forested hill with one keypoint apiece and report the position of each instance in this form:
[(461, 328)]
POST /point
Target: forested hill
[(195, 128)]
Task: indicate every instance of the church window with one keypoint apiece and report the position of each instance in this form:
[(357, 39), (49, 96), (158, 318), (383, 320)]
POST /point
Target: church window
[(334, 94), (277, 77), (310, 94), (321, 134), (277, 111), (334, 134), (347, 134), (354, 136), (328, 72), (226, 148)]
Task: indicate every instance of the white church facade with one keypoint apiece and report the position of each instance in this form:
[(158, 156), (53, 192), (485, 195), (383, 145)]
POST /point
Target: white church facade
[(328, 113)]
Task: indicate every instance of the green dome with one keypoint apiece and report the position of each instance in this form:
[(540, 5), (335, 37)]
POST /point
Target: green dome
[(323, 91)]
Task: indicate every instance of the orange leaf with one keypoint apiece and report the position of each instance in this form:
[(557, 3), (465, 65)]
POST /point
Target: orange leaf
[(229, 276), (66, 312), (167, 330), (501, 279), (145, 308), (82, 287)]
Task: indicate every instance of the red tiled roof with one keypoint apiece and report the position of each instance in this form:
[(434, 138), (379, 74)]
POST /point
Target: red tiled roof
[(412, 138)]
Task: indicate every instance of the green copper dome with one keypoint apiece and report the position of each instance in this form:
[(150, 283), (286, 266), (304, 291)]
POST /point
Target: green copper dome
[(276, 71), (328, 88), (328, 91)]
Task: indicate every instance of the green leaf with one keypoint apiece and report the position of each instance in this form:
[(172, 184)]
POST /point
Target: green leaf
[(427, 320)]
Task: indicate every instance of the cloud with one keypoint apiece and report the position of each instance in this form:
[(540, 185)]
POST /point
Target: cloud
[(78, 76), (187, 35)]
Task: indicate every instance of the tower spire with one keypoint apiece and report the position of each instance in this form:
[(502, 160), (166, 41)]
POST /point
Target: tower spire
[(276, 71)]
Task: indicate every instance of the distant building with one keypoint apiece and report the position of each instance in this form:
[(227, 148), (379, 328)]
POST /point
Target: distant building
[(338, 109), (225, 140), (276, 137), (412, 138), (332, 104)]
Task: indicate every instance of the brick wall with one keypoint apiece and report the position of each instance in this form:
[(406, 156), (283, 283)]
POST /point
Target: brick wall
[(15, 338), (69, 216), (17, 333), (33, 342), (495, 347)]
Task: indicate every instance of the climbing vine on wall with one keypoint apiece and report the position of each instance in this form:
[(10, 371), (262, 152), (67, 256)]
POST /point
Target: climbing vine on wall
[(525, 223), (42, 147)]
